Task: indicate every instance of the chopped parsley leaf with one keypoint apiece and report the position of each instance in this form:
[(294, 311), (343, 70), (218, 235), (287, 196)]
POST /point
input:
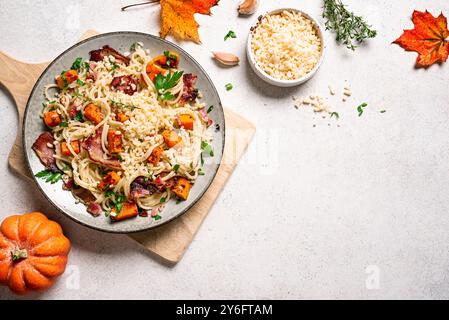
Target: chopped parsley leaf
[(210, 109), (118, 201), (360, 108), (176, 168), (79, 116), (335, 114), (135, 46), (230, 34), (64, 124)]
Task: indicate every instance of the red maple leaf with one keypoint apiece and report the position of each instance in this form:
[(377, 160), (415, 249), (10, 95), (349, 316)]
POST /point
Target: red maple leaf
[(428, 39)]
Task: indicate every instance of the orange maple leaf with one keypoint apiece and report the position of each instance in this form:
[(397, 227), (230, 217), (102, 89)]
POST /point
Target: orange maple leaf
[(428, 38), (177, 17)]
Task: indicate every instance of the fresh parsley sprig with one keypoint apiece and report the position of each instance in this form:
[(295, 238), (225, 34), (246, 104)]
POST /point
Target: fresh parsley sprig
[(207, 148), (349, 28), (76, 65), (165, 83), (49, 176)]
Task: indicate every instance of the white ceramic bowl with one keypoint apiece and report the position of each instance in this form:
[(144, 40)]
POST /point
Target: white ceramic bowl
[(278, 82)]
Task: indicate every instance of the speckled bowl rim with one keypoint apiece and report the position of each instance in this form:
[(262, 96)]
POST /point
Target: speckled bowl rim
[(194, 201), (279, 82)]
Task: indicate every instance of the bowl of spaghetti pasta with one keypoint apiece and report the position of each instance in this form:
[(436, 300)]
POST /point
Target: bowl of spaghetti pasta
[(124, 132)]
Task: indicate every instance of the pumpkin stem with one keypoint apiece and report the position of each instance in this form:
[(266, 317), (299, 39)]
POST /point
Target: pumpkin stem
[(18, 254)]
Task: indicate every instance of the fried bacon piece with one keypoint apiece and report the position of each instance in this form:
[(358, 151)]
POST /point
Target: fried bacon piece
[(94, 209), (46, 153), (100, 54), (142, 186), (126, 84), (93, 147), (87, 198), (189, 92), (205, 117), (83, 194), (138, 190)]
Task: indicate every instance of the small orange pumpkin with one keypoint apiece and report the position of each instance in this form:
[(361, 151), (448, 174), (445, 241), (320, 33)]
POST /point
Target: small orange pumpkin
[(33, 252)]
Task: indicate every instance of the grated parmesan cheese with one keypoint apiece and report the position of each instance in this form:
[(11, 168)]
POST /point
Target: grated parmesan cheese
[(286, 45)]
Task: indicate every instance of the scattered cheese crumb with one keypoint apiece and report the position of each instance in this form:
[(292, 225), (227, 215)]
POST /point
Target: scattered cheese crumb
[(318, 103)]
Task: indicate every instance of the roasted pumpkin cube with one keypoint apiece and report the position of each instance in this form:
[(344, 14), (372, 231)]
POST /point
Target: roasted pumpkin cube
[(186, 121), (122, 117), (171, 138), (155, 156), (52, 118), (110, 179), (182, 188), (153, 70), (169, 59), (65, 149), (129, 210), (66, 78), (93, 113), (160, 60), (115, 141)]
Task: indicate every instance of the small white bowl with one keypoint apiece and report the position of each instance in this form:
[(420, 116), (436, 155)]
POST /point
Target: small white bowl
[(279, 82)]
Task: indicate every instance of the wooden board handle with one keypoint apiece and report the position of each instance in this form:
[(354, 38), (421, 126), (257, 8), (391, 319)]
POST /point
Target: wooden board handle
[(18, 77)]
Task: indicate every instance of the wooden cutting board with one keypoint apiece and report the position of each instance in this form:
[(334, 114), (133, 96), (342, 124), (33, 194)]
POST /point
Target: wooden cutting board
[(168, 242)]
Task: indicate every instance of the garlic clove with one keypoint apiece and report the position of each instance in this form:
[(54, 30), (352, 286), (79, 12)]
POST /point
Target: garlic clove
[(248, 6), (227, 59)]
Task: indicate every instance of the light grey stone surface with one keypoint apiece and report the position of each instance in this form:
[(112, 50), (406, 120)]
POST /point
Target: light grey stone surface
[(311, 212)]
